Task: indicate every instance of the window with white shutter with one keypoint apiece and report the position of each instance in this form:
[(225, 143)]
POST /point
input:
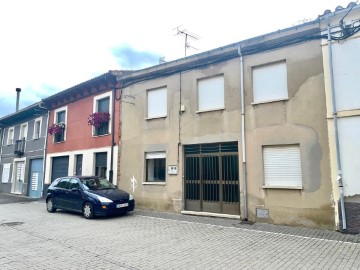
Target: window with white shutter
[(282, 166), (270, 82), (6, 173), (157, 103), (211, 93)]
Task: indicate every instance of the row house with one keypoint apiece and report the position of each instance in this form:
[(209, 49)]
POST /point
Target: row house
[(341, 58), (83, 132), (23, 145), (238, 131)]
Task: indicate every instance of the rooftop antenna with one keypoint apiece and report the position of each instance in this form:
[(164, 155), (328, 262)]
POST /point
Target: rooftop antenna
[(188, 35)]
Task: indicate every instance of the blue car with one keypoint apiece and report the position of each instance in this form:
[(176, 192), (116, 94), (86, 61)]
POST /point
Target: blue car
[(90, 195)]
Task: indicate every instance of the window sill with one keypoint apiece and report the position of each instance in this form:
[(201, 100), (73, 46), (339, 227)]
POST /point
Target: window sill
[(283, 187), (95, 136), (154, 183), (269, 101), (211, 110), (156, 117)]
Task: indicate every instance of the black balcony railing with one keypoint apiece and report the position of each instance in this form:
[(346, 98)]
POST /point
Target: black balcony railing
[(19, 147)]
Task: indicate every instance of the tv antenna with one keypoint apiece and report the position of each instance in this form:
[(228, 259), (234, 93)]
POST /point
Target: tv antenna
[(188, 35)]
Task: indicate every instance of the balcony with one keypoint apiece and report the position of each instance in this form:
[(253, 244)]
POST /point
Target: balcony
[(19, 147)]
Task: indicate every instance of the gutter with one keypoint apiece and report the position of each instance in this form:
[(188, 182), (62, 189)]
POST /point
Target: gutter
[(338, 160)]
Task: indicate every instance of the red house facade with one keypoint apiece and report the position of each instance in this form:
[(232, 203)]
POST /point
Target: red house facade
[(83, 131)]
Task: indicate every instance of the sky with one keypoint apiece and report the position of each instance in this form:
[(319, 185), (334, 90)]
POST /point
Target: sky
[(47, 46)]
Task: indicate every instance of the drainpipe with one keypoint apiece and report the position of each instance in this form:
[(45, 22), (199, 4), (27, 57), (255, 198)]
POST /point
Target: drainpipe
[(111, 172), (243, 146), (339, 175), (45, 151)]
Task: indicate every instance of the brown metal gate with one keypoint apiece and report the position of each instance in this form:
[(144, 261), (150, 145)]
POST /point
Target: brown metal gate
[(212, 178)]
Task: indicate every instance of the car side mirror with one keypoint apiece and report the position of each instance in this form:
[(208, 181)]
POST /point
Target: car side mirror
[(75, 190)]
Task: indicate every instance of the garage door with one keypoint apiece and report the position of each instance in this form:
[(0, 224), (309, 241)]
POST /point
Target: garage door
[(60, 167)]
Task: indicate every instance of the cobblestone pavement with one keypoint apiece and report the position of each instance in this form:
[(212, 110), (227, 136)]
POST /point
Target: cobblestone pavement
[(31, 238)]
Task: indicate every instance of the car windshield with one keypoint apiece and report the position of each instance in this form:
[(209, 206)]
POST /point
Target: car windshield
[(96, 183)]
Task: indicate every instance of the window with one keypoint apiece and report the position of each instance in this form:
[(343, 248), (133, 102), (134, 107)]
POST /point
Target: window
[(155, 166), (103, 105), (60, 117), (23, 131), (282, 166), (37, 128), (270, 82), (74, 183), (211, 93), (6, 173), (101, 164), (157, 103), (10, 138), (64, 183)]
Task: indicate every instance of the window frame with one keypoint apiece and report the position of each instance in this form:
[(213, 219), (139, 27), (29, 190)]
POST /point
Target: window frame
[(280, 172), (156, 155), (25, 131), (37, 120), (284, 94), (202, 108), (148, 116), (95, 109), (8, 140), (56, 112)]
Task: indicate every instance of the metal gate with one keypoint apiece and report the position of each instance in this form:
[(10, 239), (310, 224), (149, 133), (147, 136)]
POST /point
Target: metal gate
[(212, 178)]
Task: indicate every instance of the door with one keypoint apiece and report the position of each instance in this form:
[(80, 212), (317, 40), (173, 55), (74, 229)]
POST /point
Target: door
[(19, 178), (101, 164), (36, 178), (78, 166), (212, 178), (60, 167), (74, 195)]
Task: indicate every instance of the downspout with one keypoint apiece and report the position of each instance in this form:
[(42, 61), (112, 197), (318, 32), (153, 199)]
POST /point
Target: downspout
[(2, 128), (111, 172), (339, 173), (45, 152), (243, 146)]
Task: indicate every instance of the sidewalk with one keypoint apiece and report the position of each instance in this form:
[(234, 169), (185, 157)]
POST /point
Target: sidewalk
[(264, 227), (6, 198)]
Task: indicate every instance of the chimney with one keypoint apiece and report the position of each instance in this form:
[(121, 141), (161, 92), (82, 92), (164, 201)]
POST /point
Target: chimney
[(18, 90)]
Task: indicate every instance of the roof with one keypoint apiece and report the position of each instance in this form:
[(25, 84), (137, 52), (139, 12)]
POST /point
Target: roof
[(106, 78), (278, 39), (33, 110), (339, 9)]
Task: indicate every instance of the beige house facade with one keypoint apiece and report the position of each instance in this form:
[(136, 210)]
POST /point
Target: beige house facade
[(341, 57), (239, 131)]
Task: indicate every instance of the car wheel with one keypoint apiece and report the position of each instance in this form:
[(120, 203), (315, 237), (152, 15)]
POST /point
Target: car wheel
[(50, 206), (88, 211)]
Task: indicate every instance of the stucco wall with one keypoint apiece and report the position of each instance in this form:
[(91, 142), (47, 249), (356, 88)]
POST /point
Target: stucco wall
[(299, 120)]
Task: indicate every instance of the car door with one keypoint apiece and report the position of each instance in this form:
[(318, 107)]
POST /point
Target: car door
[(74, 197), (60, 193)]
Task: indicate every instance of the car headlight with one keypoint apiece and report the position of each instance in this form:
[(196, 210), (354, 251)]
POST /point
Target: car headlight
[(131, 197), (103, 199)]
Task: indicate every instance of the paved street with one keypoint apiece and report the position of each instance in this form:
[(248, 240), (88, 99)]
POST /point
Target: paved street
[(31, 238)]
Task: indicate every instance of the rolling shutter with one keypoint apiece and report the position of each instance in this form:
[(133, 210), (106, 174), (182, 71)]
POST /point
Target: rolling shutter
[(282, 166), (60, 167)]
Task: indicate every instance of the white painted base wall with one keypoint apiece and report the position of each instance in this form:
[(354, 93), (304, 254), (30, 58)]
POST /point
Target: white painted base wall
[(88, 163)]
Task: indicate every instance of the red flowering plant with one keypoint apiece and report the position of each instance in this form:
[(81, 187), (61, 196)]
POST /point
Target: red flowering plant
[(98, 118), (56, 128)]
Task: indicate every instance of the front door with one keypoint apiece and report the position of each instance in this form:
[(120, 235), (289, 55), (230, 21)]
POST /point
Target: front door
[(36, 178), (212, 178), (18, 180)]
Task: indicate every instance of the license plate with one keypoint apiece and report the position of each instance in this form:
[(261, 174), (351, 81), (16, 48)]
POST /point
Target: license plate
[(121, 205)]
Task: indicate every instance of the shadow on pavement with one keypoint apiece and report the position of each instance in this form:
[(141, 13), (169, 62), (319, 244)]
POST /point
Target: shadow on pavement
[(6, 198)]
